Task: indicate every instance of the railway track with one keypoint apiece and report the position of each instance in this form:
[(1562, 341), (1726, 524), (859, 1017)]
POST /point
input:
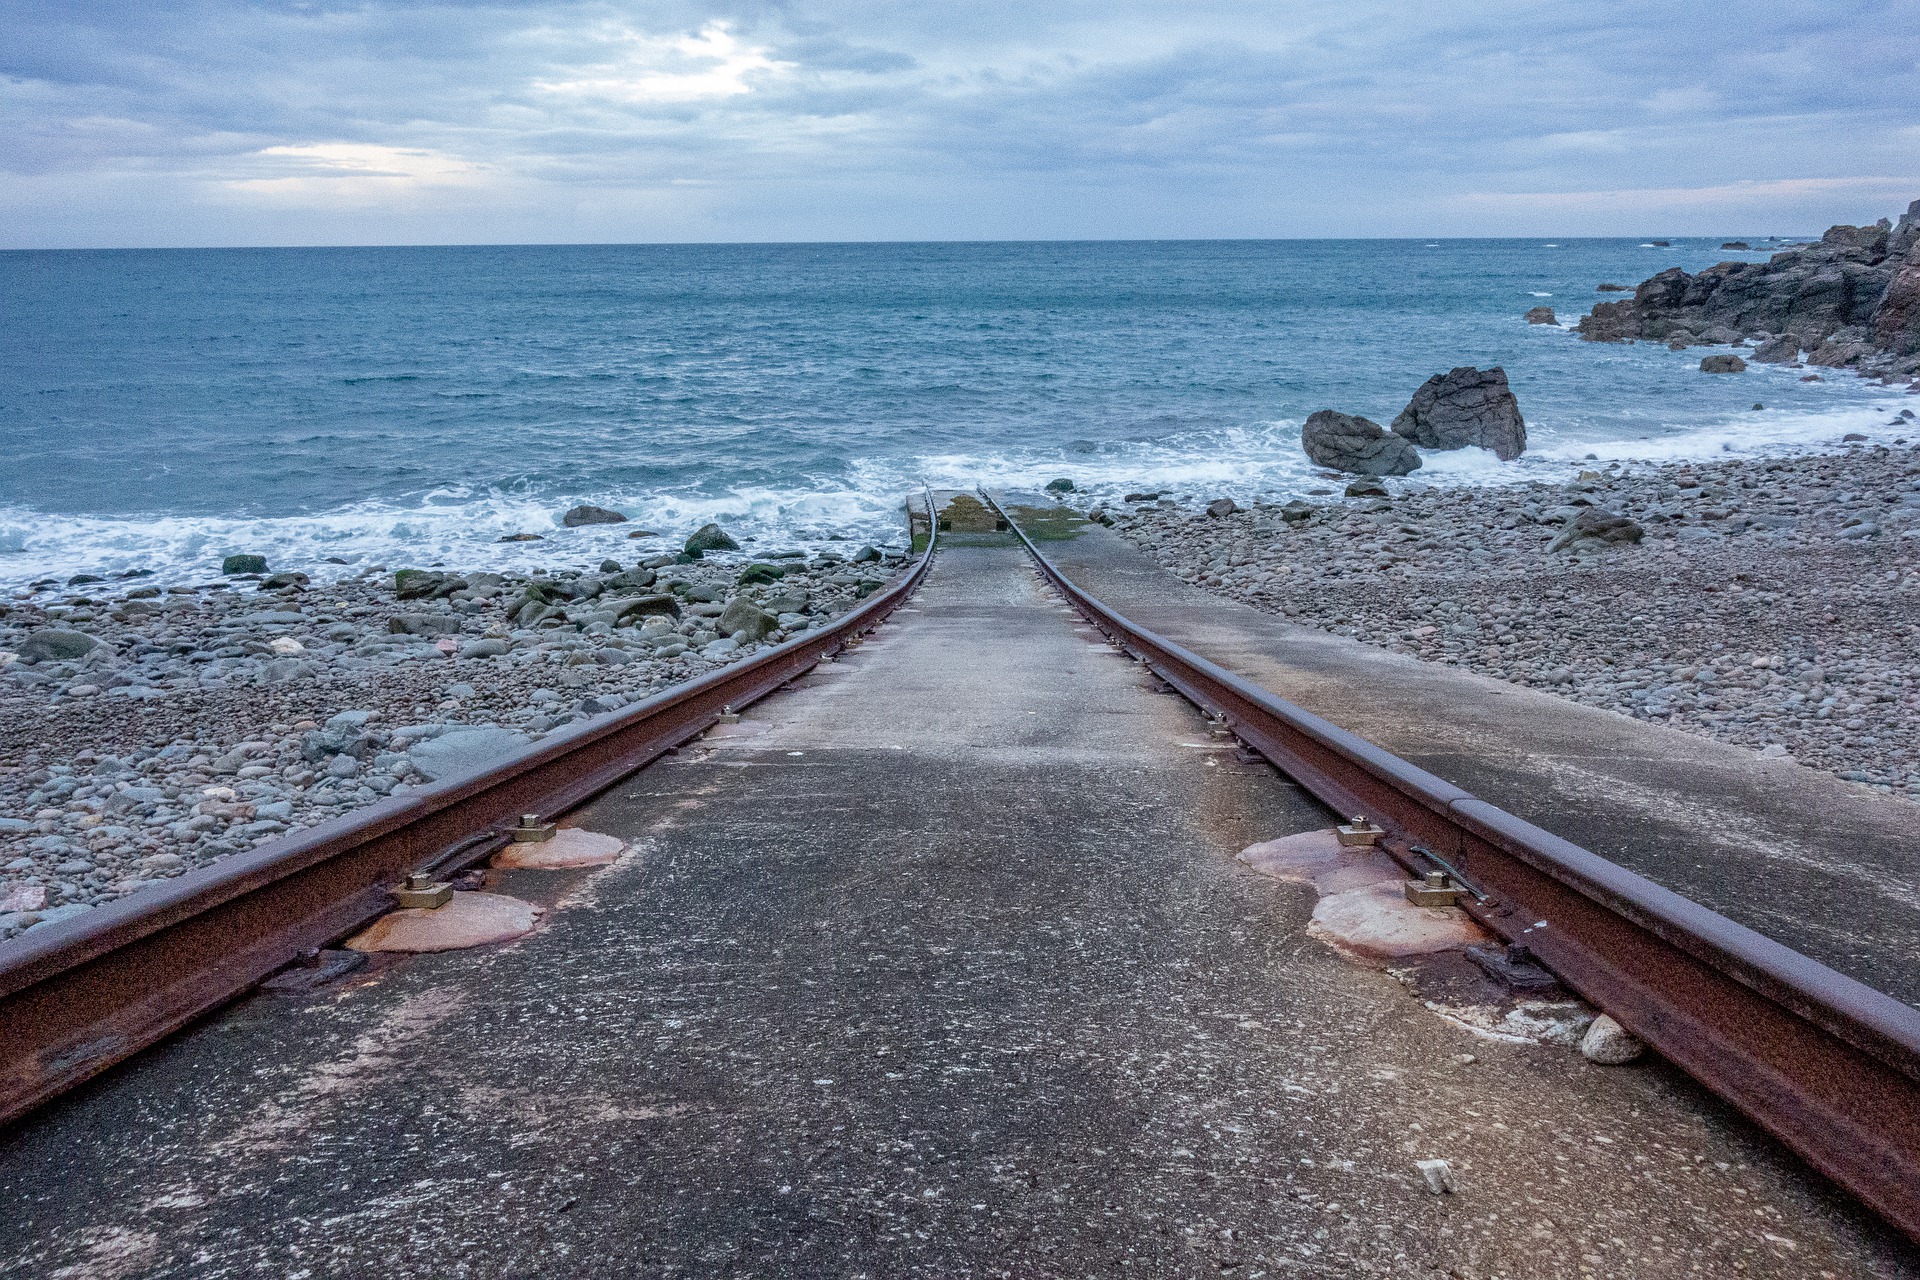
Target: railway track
[(79, 996), (1829, 1066)]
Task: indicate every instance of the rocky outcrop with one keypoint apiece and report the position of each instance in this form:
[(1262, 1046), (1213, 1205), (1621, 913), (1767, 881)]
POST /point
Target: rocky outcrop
[(1723, 364), (1347, 442), (709, 537), (1541, 315), (1853, 299), (586, 513), (1595, 530), (1896, 327), (1466, 406)]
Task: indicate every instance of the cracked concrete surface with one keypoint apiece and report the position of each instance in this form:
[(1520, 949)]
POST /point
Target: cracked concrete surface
[(940, 964), (1824, 866)]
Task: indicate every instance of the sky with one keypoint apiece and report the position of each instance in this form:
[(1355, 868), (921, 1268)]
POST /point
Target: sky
[(210, 122)]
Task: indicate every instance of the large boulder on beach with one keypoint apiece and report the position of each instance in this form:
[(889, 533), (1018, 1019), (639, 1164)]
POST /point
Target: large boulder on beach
[(243, 563), (1595, 529), (1348, 442), (587, 513), (709, 537), (1466, 406), (53, 645), (741, 614)]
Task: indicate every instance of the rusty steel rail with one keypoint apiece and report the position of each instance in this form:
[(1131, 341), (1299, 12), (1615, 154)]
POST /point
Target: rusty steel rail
[(1828, 1065), (81, 995)]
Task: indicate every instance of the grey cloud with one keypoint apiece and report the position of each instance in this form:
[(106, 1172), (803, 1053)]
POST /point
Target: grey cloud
[(1190, 111)]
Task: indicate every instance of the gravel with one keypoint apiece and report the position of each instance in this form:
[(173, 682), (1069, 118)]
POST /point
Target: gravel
[(1772, 604), (147, 731)]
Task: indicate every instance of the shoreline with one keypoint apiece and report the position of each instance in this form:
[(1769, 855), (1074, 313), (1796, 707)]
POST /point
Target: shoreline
[(187, 724), (1768, 603)]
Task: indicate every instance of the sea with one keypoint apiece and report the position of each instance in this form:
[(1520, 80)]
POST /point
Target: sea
[(340, 408)]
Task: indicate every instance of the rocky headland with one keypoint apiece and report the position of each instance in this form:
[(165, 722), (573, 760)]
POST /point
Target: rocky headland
[(1850, 301), (145, 731), (1774, 604)]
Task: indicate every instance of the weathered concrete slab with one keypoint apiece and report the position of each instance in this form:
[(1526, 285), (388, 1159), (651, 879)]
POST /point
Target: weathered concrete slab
[(1827, 867), (951, 972)]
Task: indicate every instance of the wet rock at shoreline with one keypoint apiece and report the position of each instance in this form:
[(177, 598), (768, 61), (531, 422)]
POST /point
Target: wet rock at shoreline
[(236, 565), (1853, 299), (1723, 364), (1541, 315), (586, 513), (709, 537), (1466, 406), (1347, 442)]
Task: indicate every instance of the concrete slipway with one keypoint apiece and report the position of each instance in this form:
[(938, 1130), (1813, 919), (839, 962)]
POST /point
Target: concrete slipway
[(939, 964)]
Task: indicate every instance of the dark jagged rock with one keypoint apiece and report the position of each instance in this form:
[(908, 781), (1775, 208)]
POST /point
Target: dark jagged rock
[(1853, 299), (587, 513), (1347, 442), (1595, 529), (1723, 364), (1896, 327), (1541, 315), (1466, 406), (709, 537), (1784, 349)]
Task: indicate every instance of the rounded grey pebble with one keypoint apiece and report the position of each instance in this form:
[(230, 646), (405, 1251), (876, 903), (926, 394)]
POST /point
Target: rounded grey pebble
[(1609, 1044)]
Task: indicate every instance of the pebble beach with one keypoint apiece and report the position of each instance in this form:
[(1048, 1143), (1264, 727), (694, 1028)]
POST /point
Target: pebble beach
[(1770, 603), (148, 730)]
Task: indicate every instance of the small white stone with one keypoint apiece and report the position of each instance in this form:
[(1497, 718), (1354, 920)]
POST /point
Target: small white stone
[(1609, 1044), (1439, 1176)]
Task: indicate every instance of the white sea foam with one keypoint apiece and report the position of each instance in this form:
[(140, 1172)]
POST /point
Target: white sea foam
[(463, 528)]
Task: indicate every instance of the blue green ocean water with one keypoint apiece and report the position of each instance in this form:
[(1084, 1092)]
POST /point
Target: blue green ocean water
[(159, 408)]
